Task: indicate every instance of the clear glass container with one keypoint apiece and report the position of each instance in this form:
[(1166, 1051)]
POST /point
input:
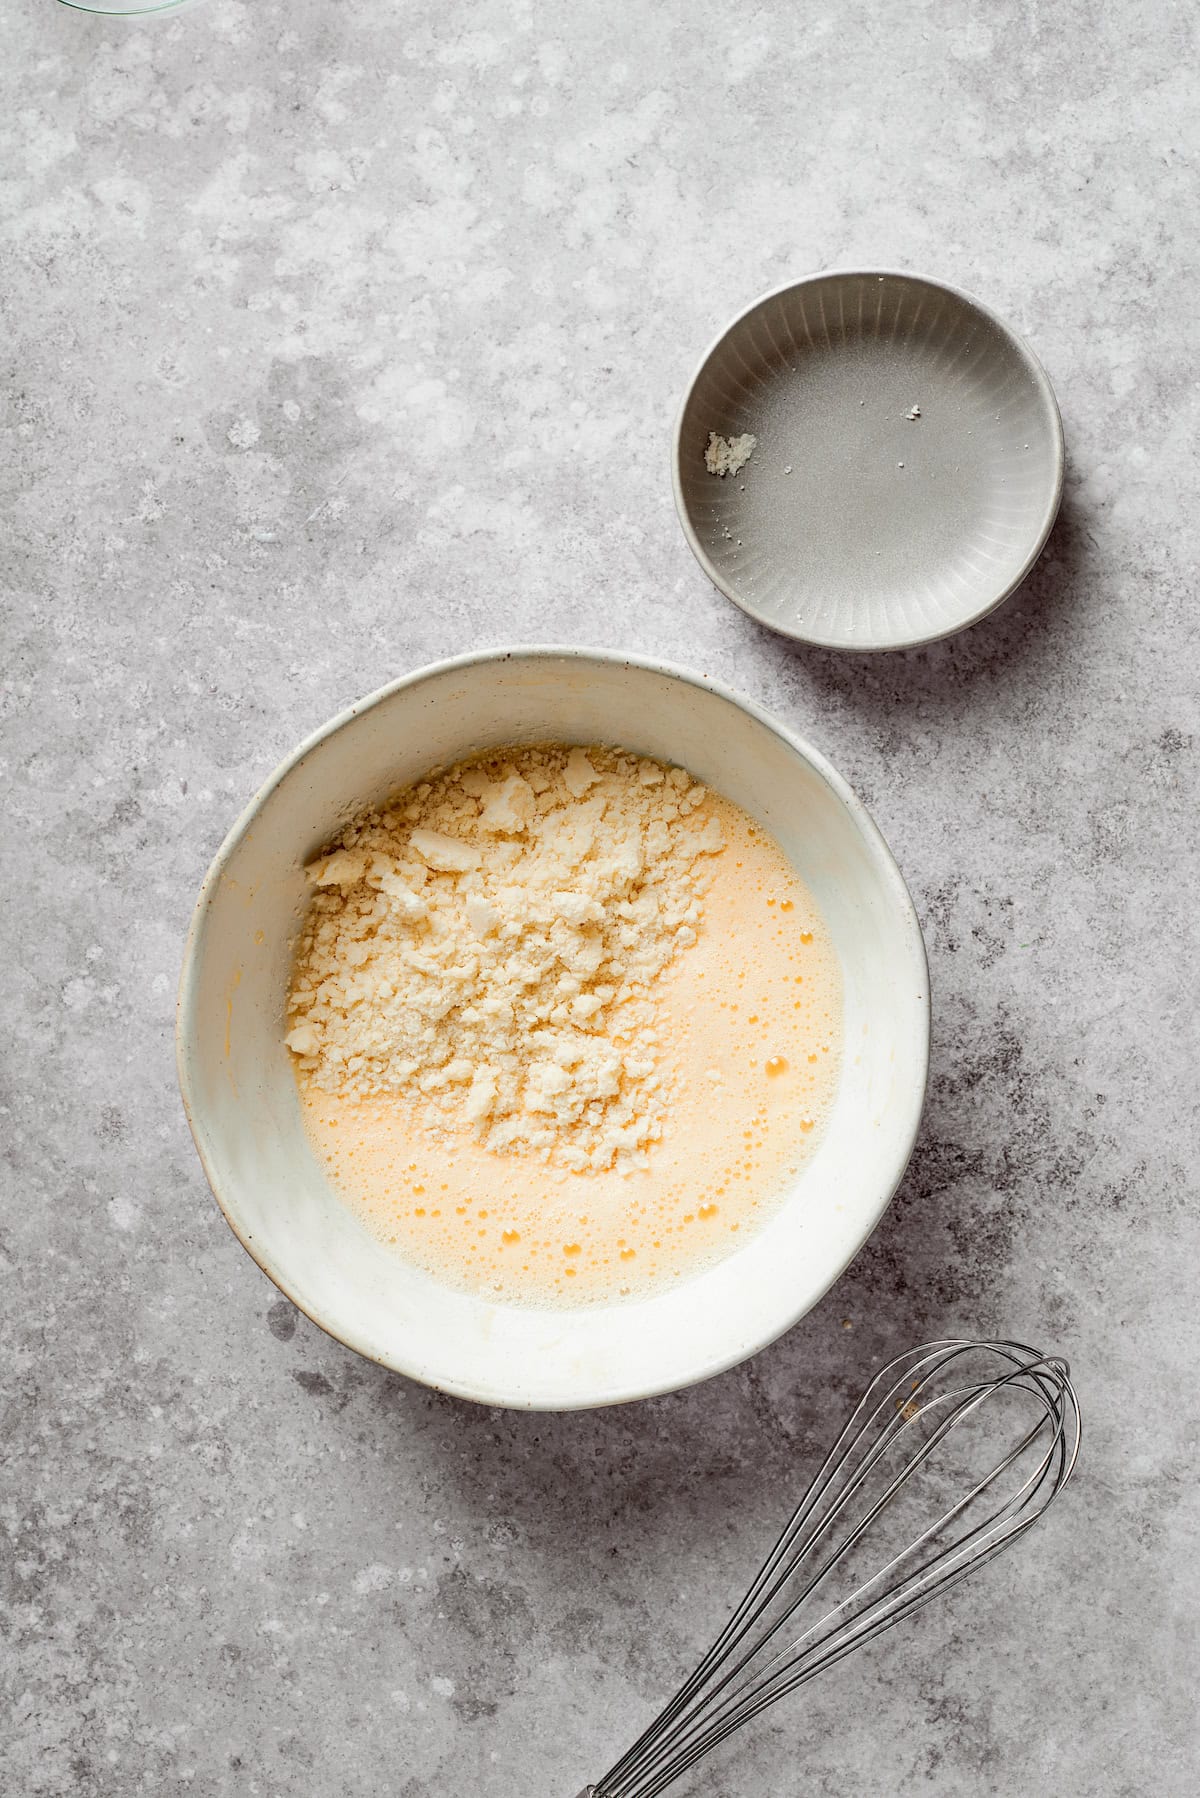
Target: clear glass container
[(127, 9)]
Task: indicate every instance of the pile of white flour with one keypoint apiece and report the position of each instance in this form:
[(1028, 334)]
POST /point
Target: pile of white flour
[(490, 941)]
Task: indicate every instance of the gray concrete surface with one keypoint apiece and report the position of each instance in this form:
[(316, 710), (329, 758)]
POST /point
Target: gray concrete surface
[(341, 337)]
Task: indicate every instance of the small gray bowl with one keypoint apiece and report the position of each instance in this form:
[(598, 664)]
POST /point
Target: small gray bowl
[(908, 464)]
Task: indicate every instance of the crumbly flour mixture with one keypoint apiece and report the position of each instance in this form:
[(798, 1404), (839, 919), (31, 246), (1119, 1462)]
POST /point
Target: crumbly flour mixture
[(728, 455), (490, 941)]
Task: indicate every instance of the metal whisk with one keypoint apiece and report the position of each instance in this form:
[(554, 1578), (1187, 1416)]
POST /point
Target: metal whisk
[(954, 1450)]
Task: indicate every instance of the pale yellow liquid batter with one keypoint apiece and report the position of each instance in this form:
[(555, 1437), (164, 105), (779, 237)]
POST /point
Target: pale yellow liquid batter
[(751, 1031)]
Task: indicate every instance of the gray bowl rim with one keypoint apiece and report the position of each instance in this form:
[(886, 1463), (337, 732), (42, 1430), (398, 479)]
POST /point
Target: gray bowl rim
[(1025, 355), (186, 1000)]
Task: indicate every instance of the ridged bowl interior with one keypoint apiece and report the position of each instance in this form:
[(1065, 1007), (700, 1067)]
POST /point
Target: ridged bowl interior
[(856, 524)]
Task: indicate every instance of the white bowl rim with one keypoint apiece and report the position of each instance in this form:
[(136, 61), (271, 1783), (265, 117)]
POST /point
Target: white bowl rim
[(866, 646), (872, 837)]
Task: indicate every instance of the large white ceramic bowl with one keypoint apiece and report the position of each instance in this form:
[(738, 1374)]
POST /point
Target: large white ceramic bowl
[(241, 1099)]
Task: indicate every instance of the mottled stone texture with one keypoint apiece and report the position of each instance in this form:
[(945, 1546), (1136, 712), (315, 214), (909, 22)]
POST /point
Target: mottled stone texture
[(339, 337)]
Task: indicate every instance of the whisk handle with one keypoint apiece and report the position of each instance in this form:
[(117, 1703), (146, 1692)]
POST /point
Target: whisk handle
[(588, 1792)]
